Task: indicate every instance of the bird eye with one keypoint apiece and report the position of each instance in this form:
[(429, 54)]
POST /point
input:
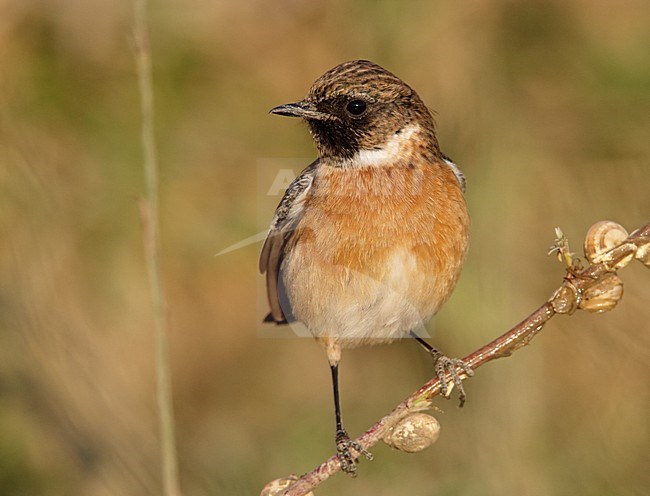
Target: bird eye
[(356, 107)]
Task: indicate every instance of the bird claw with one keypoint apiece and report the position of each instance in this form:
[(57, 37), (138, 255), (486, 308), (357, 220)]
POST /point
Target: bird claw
[(344, 447), (444, 365)]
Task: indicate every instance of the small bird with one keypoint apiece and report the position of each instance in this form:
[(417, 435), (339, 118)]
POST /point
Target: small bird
[(368, 241)]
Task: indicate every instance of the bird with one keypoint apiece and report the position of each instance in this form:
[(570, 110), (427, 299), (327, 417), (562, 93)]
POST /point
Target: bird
[(368, 241)]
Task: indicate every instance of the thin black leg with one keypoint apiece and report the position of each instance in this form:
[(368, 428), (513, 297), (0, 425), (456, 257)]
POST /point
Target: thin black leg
[(423, 343), (337, 402), (443, 365), (345, 447)]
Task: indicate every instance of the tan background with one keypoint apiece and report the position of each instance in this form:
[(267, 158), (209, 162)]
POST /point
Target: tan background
[(545, 105)]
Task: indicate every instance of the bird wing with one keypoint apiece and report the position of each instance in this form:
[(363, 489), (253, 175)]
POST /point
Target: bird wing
[(287, 215), (457, 172)]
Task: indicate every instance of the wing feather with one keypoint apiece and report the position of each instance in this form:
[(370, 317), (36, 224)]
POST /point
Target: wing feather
[(287, 215), (457, 172)]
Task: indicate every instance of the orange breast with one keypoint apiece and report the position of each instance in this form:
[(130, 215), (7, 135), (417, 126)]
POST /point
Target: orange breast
[(372, 236)]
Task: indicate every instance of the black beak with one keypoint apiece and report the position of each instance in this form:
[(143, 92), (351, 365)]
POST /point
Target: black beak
[(303, 109)]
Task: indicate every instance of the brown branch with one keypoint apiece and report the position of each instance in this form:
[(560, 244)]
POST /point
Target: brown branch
[(594, 288)]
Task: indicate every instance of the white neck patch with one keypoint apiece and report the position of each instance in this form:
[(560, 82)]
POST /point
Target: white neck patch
[(391, 152)]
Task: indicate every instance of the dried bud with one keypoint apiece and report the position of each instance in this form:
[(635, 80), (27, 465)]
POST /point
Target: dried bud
[(413, 433), (602, 237), (604, 295), (643, 254), (276, 486)]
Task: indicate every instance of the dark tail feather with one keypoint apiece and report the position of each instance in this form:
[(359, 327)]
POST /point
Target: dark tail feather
[(269, 319)]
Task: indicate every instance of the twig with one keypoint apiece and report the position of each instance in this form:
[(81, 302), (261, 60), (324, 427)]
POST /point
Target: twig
[(151, 226), (579, 290)]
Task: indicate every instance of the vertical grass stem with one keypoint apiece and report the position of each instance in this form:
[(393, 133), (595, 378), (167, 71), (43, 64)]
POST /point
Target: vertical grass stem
[(151, 226)]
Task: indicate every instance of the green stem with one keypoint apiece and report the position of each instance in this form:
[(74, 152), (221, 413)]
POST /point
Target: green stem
[(149, 211)]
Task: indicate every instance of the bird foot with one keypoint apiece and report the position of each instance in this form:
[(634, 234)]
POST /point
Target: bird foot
[(444, 365), (344, 452)]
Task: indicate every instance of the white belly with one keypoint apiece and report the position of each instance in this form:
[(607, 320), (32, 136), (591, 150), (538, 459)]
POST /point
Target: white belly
[(357, 309)]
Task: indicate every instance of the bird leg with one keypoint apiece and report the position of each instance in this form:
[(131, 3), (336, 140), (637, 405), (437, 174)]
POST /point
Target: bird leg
[(444, 365), (345, 447)]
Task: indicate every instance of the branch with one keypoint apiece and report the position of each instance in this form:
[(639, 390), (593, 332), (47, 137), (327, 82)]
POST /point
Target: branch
[(595, 288)]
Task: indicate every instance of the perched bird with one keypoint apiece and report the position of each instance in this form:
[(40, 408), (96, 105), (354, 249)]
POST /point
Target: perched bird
[(368, 241)]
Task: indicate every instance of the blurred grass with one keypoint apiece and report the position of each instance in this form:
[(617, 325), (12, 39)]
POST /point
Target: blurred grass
[(545, 106)]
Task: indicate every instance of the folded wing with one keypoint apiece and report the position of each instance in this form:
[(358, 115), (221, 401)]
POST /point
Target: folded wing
[(287, 215)]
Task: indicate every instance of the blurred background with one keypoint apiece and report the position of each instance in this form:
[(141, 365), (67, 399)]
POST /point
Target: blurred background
[(545, 105)]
